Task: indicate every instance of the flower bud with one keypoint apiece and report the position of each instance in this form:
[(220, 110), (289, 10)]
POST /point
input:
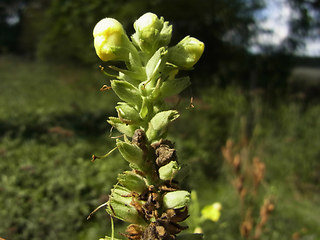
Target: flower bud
[(130, 152), (151, 32), (169, 171), (127, 113), (122, 127), (111, 41), (159, 123), (176, 199), (186, 53), (133, 181), (120, 206)]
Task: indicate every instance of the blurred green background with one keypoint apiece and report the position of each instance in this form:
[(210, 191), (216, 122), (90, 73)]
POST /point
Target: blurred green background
[(53, 116)]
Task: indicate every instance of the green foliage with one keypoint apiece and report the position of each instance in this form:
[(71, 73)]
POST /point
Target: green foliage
[(48, 186), (67, 25)]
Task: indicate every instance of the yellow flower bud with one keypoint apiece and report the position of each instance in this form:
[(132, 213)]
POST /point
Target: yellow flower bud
[(151, 32), (186, 53), (110, 40), (148, 26)]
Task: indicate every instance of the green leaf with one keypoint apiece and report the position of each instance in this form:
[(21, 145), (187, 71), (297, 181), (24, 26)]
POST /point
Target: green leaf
[(127, 92)]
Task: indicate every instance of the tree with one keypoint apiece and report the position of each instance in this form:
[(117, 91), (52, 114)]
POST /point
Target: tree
[(68, 26), (304, 23)]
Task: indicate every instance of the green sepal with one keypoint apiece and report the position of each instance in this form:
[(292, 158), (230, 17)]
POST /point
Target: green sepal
[(130, 79), (156, 91), (189, 236), (122, 127), (169, 171), (172, 87), (135, 62), (155, 64), (144, 107), (127, 92), (165, 34), (130, 152), (159, 123), (120, 206), (130, 74), (133, 181), (177, 199), (127, 113)]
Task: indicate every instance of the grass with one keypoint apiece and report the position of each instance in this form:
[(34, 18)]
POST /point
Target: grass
[(52, 118)]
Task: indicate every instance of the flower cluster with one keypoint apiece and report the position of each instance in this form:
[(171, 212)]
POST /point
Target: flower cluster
[(149, 196)]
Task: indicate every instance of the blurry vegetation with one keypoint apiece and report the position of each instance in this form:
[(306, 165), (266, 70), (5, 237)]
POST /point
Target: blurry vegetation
[(52, 116)]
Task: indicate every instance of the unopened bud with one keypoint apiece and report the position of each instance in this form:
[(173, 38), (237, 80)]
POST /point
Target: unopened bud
[(133, 181), (122, 127), (169, 171), (128, 113), (186, 53), (120, 206), (159, 123), (130, 152), (176, 199), (151, 32), (111, 41)]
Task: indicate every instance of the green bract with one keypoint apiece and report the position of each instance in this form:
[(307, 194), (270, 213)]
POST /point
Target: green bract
[(146, 195)]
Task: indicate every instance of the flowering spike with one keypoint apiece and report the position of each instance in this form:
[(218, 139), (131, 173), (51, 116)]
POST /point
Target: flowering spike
[(147, 197)]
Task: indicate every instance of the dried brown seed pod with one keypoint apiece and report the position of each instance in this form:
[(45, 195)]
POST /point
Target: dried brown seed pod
[(165, 152)]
